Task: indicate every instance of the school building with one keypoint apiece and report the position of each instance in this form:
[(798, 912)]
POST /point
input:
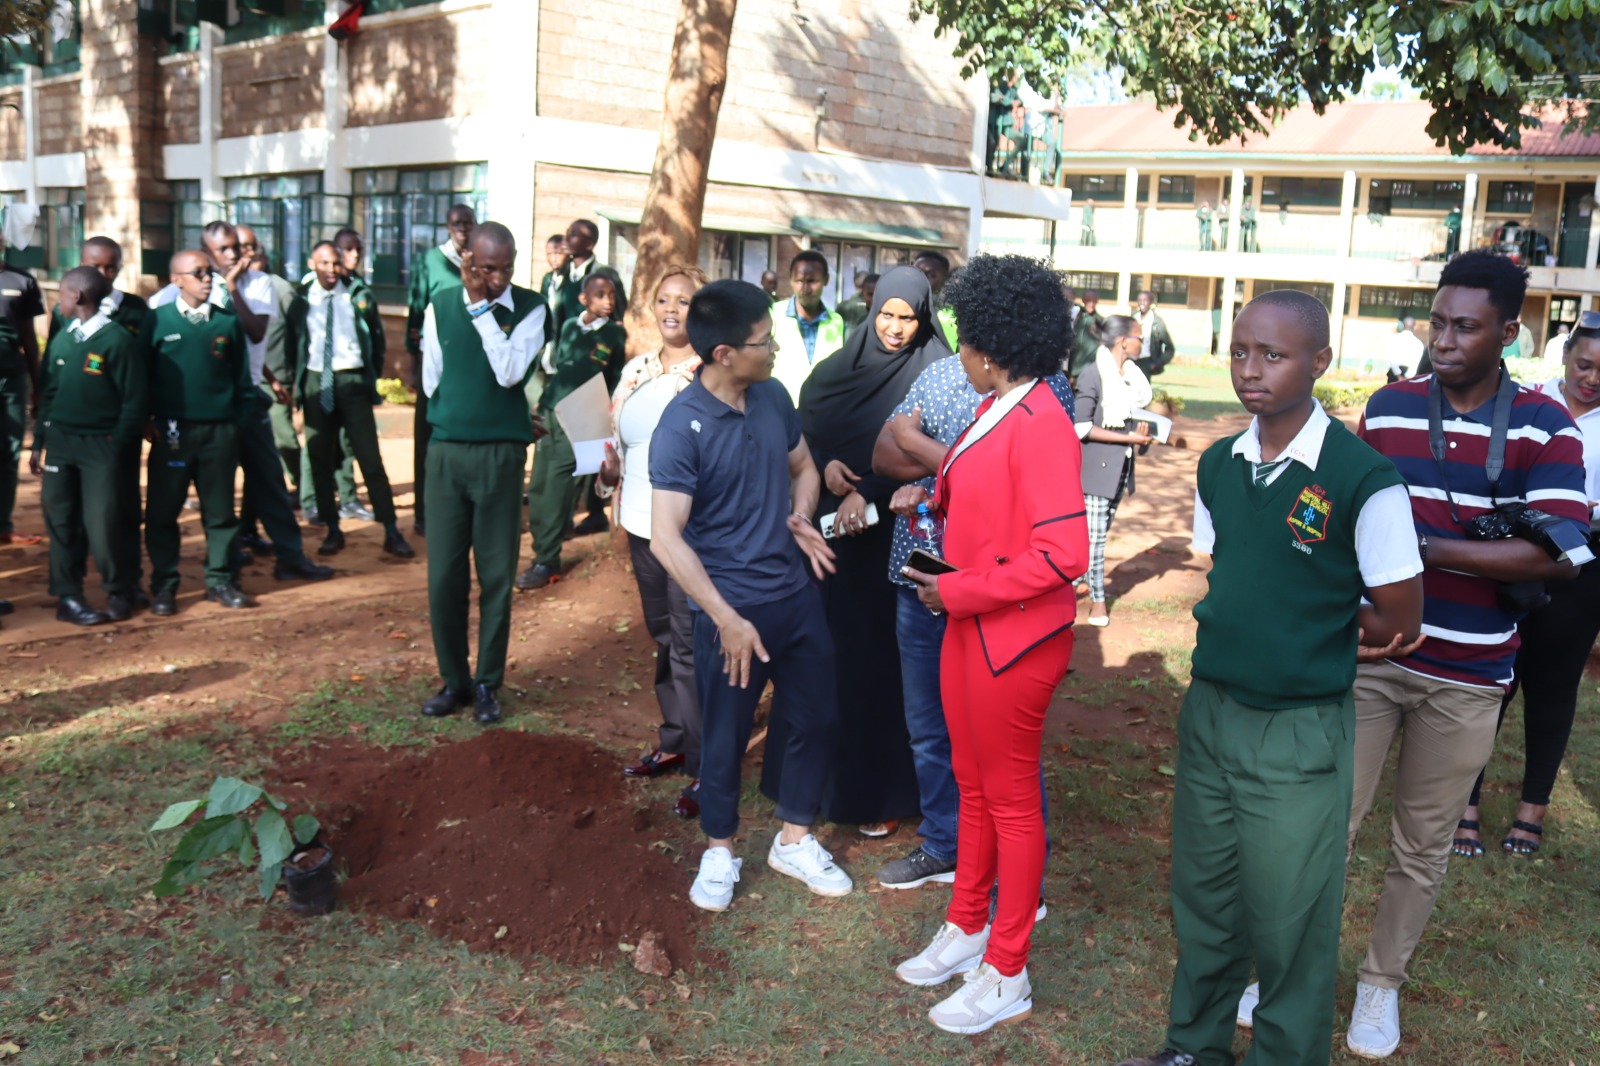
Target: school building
[(844, 127), (1353, 207)]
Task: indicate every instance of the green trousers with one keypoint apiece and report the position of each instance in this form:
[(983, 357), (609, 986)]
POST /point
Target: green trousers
[(421, 434), (474, 508), (344, 476), (207, 454), (351, 414), (1259, 815), (83, 498), (264, 498), (14, 423), (552, 494)]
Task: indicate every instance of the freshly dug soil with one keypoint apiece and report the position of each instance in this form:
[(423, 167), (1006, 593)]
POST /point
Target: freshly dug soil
[(512, 842)]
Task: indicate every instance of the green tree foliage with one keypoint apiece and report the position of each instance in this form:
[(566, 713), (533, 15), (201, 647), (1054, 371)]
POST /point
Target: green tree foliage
[(25, 18), (1228, 68)]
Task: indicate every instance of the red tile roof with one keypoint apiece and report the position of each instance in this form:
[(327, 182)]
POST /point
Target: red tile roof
[(1349, 129)]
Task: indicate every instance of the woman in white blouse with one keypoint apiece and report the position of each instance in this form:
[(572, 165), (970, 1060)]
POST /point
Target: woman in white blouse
[(648, 383)]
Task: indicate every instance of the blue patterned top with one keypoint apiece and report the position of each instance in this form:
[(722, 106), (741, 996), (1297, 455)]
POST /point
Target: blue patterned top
[(948, 403)]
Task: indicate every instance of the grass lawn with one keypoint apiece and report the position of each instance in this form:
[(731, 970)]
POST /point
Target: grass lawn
[(1206, 390), (95, 969)]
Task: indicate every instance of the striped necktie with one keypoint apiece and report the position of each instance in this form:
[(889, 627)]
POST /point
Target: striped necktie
[(327, 357), (1264, 471)]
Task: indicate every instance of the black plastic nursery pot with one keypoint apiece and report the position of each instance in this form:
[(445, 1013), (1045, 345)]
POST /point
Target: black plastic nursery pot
[(308, 876)]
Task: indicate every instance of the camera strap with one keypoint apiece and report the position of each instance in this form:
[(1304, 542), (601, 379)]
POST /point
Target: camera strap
[(1499, 428)]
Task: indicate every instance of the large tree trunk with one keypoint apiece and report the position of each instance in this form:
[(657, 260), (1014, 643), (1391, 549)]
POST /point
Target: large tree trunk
[(669, 232)]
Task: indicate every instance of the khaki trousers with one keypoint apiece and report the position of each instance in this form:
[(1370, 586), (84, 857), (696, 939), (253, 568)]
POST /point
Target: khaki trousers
[(1447, 733)]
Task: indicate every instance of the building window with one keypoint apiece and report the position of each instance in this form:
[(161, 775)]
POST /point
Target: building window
[(1384, 196), (403, 213), (1301, 192), (57, 235), (723, 254), (289, 214), (1170, 288), (174, 224), (1320, 291), (1510, 197), (1176, 189), (1095, 186), (1380, 302), (1103, 285)]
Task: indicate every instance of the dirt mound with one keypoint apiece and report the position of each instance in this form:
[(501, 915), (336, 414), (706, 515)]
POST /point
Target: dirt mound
[(512, 842)]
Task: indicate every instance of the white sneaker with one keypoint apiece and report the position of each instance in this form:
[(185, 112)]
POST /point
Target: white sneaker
[(713, 885), (951, 952), (1375, 1022), (807, 862), (1247, 1005), (984, 1001)]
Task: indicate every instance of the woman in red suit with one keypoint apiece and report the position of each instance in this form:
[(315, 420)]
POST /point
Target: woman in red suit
[(1012, 503)]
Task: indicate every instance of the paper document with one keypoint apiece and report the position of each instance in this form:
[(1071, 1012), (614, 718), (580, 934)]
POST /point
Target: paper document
[(585, 417), (1160, 425)]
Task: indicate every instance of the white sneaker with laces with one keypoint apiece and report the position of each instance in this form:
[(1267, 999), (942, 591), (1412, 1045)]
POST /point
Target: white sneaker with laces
[(985, 999), (950, 953), (1247, 1005), (809, 863), (1375, 1022), (713, 885)]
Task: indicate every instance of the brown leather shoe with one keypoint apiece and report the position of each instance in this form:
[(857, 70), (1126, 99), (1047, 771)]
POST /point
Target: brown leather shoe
[(688, 805), (657, 762)]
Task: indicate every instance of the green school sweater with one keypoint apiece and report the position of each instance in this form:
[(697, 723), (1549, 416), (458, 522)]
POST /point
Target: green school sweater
[(129, 315), (580, 355), (469, 405), (1296, 646), (198, 372), (433, 275), (369, 334), (96, 387)]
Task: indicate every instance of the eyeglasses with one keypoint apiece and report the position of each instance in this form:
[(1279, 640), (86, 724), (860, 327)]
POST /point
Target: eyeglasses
[(770, 344), (199, 275)]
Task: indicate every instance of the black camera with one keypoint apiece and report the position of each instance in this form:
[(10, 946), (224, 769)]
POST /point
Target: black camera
[(1556, 536)]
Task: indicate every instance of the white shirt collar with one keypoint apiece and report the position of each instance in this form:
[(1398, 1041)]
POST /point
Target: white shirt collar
[(317, 296), (1552, 389), (1306, 448), (109, 305), (85, 330), (577, 270), (193, 314), (590, 327), (448, 250)]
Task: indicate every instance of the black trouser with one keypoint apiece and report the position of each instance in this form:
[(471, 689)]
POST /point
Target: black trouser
[(1556, 641), (671, 626), (794, 631), (264, 494)]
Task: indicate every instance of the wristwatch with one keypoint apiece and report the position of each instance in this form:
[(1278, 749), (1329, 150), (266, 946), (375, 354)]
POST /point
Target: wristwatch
[(1422, 547)]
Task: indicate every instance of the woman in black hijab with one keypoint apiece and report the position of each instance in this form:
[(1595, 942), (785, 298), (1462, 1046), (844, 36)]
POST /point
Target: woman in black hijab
[(843, 406)]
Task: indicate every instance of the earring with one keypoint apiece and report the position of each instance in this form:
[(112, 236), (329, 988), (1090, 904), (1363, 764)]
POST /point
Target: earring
[(986, 364)]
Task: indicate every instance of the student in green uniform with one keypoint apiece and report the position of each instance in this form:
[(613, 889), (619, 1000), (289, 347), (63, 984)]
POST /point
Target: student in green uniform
[(591, 344), (1266, 735), (20, 304), (339, 346), (479, 343), (122, 308), (199, 390), (351, 250), (440, 269), (936, 267), (91, 414), (280, 368)]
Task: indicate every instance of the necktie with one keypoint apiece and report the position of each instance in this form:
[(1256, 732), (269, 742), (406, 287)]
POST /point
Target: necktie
[(502, 317), (327, 358), (1264, 471)]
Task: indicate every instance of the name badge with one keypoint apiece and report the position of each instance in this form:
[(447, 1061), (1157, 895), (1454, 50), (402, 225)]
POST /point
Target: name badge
[(10, 292)]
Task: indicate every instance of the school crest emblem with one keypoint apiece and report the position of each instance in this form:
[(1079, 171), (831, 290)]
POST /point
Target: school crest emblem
[(220, 347), (94, 364), (1308, 518)]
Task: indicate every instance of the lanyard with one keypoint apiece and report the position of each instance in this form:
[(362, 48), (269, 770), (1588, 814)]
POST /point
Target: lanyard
[(1499, 426)]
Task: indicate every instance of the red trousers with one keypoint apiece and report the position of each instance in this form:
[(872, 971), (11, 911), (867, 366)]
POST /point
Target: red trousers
[(995, 728)]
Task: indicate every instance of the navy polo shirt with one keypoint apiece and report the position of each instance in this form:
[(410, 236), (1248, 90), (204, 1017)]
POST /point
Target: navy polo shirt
[(735, 466)]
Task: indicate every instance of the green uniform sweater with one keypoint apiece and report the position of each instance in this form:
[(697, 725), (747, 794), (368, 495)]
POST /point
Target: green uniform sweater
[(469, 405), (129, 315), (580, 355), (435, 274), (96, 387), (1296, 646), (369, 333), (199, 372)]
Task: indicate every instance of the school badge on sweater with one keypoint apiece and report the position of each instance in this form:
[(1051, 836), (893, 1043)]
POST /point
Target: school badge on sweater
[(1308, 518)]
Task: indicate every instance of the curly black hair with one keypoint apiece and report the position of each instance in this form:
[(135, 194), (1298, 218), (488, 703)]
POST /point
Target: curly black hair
[(1506, 281), (1011, 308)]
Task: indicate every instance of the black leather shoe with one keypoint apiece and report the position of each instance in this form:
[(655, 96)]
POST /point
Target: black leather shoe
[(228, 596), (594, 522), (119, 608), (141, 600), (534, 577), (256, 543), (394, 544), (420, 528), (657, 762), (6, 607), (445, 702), (165, 603), (333, 543), (302, 568), (71, 609), (485, 708)]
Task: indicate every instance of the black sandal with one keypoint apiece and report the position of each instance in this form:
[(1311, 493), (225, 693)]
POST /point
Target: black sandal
[(1516, 845), (1466, 847)]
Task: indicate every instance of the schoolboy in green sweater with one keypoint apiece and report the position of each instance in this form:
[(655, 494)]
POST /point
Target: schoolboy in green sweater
[(440, 269), (122, 308), (591, 344), (1302, 520), (91, 412), (200, 387)]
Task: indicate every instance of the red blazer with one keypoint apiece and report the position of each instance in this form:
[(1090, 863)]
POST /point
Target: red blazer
[(1015, 527)]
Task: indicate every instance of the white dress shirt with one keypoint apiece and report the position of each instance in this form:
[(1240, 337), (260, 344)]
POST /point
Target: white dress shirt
[(1589, 427), (88, 328), (256, 289), (346, 342), (509, 356)]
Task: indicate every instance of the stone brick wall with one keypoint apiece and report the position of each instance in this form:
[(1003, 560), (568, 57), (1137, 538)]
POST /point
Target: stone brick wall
[(178, 88), (60, 117), (272, 88), (419, 69), (13, 134), (893, 90)]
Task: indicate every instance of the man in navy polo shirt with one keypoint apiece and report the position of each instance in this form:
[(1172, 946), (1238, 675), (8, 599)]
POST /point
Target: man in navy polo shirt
[(734, 491)]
